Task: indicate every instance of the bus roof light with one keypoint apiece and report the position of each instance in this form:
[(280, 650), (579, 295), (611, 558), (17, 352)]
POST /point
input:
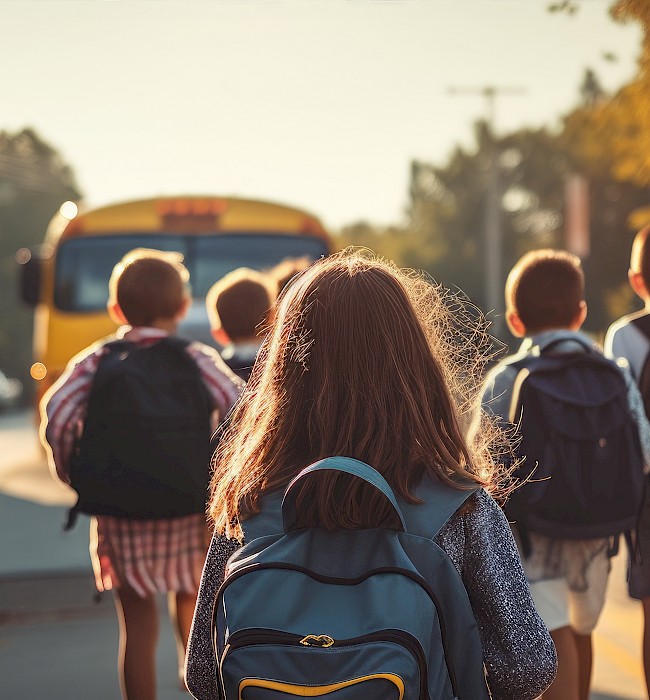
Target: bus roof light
[(191, 213)]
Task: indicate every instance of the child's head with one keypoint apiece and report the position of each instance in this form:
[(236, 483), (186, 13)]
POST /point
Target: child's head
[(363, 360), (286, 270), (149, 287), (238, 306), (639, 272), (545, 291)]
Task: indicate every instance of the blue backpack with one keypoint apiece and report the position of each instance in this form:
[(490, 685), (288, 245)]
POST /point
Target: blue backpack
[(377, 614)]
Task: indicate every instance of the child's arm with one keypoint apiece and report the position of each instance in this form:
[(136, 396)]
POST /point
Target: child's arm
[(497, 392), (224, 386), (200, 671), (63, 410), (628, 351), (518, 652), (635, 402)]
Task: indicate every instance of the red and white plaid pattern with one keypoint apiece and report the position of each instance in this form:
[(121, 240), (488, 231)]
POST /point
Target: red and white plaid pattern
[(151, 556), (148, 555)]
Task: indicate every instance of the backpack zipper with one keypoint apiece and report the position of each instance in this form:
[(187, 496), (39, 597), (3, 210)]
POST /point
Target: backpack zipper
[(340, 581), (244, 638)]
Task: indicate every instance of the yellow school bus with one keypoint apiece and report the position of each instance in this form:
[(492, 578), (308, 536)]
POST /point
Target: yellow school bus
[(66, 280)]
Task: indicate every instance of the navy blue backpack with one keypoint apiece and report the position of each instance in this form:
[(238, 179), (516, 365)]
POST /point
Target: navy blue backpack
[(582, 462), (377, 614)]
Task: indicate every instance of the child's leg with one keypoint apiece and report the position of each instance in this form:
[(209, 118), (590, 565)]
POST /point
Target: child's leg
[(181, 611), (639, 577), (646, 641), (585, 662), (566, 685), (139, 626), (551, 598), (585, 608)]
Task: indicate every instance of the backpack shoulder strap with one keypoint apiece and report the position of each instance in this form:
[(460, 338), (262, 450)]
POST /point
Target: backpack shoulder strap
[(426, 519), (587, 345), (348, 465), (439, 503), (117, 345), (642, 322), (176, 341)]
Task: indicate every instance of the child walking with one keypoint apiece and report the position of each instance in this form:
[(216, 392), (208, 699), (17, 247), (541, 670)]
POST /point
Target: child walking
[(238, 307), (567, 577), (140, 555), (629, 338), (362, 361)]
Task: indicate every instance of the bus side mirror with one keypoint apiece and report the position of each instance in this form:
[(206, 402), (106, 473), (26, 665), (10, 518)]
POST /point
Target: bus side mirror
[(30, 275)]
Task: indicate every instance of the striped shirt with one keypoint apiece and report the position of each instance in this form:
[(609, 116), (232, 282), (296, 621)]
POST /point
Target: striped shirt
[(150, 556)]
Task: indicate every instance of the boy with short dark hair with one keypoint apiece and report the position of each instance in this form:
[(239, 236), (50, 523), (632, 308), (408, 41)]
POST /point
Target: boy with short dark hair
[(567, 577), (629, 338), (148, 536), (238, 307)]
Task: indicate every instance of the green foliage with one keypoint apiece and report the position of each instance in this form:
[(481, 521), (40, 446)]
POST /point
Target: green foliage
[(449, 203), (34, 182)]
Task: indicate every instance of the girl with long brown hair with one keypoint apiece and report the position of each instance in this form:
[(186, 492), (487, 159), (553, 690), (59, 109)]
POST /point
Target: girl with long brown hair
[(371, 362)]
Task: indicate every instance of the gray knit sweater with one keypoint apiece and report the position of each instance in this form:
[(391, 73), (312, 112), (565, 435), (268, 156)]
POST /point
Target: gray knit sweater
[(518, 652)]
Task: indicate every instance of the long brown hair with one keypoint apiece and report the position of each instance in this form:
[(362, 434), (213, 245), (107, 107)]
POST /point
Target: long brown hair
[(363, 360)]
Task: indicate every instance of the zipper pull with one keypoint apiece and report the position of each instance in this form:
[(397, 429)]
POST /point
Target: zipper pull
[(317, 640)]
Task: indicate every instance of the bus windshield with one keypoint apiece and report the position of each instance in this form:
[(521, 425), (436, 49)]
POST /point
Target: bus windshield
[(84, 265)]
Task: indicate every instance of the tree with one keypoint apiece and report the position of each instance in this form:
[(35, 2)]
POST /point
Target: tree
[(605, 139), (448, 204), (34, 182)]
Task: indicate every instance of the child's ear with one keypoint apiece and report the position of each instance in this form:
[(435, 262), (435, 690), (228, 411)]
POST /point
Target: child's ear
[(185, 307), (116, 314), (637, 284), (580, 317), (220, 336), (515, 324)]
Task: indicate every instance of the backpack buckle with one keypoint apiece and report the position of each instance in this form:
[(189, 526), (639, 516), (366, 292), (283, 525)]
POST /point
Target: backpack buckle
[(317, 640)]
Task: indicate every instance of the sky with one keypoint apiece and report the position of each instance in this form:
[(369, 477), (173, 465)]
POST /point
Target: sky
[(321, 104)]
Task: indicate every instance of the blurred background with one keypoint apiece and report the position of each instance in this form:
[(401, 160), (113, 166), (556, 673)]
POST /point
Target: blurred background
[(451, 136)]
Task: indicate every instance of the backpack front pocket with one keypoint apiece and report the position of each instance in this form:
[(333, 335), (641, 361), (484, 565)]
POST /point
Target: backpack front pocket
[(269, 665)]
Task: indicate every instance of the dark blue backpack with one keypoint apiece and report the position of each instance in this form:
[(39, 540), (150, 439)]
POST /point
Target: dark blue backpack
[(377, 614), (579, 445)]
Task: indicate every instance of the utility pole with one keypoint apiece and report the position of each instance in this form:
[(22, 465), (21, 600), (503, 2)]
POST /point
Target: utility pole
[(492, 222)]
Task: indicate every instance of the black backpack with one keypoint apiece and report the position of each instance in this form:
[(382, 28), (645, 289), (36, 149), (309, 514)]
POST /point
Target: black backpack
[(643, 380), (145, 448), (580, 447)]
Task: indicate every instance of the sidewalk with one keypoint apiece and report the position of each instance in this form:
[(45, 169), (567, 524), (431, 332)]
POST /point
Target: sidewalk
[(56, 640), (57, 643)]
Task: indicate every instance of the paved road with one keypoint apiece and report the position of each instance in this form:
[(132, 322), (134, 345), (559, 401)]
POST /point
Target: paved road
[(55, 642)]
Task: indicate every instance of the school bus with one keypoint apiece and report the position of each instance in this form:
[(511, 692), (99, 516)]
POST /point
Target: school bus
[(66, 279)]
